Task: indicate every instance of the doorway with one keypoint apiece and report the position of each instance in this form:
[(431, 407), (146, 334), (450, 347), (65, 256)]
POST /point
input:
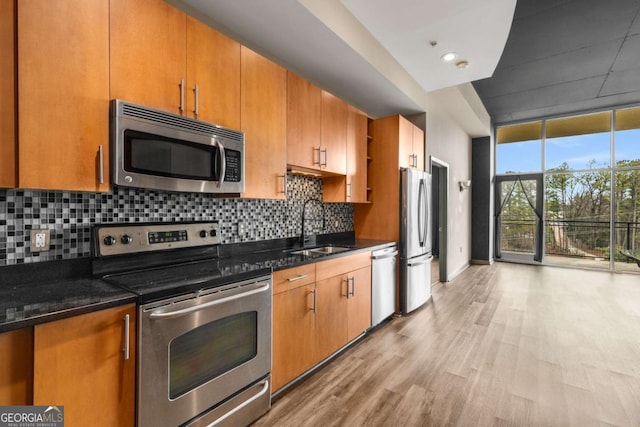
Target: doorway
[(518, 213), (439, 203)]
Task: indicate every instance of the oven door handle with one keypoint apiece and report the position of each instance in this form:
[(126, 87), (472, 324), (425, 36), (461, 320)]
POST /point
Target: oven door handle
[(159, 314), (265, 388)]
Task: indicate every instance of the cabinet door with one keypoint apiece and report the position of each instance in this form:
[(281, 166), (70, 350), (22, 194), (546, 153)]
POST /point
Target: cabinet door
[(331, 310), (79, 363), (333, 134), (213, 64), (63, 94), (148, 53), (293, 334), (405, 141), (8, 90), (356, 156), (418, 147), (304, 105), (264, 122), (16, 369), (359, 317)]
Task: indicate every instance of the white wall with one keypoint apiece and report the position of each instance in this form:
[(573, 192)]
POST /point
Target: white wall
[(446, 140)]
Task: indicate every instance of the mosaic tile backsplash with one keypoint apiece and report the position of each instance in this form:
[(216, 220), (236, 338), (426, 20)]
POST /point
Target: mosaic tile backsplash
[(70, 215)]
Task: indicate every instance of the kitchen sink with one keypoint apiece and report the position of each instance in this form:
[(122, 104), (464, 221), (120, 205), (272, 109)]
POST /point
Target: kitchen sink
[(323, 250), (330, 249)]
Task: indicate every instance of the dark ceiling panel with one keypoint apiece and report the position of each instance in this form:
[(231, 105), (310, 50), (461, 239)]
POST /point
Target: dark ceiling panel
[(620, 82), (580, 64), (628, 57), (566, 56)]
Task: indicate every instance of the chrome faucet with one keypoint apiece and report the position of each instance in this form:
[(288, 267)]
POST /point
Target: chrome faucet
[(303, 238)]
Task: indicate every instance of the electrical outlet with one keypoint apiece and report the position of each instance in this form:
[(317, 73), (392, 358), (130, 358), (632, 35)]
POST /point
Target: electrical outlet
[(242, 229), (40, 240)]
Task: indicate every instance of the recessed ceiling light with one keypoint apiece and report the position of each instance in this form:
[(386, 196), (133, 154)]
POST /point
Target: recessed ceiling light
[(462, 64), (449, 56)]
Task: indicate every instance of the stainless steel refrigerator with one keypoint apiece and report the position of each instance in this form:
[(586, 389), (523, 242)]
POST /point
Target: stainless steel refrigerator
[(415, 239)]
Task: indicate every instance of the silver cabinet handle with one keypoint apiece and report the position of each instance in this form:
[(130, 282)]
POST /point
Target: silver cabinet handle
[(100, 164), (353, 286), (315, 300), (181, 95), (284, 184), (349, 190), (326, 158), (160, 314), (223, 161), (244, 404), (295, 279), (347, 282), (196, 95), (125, 348)]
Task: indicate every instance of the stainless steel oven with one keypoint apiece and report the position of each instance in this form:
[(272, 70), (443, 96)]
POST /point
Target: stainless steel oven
[(204, 323), (203, 348)]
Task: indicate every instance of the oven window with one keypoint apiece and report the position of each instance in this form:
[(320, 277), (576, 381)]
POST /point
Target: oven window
[(156, 155), (210, 350)]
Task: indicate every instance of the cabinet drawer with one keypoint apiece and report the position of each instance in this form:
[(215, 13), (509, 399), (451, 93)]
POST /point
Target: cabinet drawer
[(337, 266), (292, 278)]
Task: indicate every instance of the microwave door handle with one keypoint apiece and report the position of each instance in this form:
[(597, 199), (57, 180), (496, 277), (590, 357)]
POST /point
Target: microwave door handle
[(223, 161)]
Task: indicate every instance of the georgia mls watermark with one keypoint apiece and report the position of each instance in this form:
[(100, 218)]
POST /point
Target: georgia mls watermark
[(31, 416)]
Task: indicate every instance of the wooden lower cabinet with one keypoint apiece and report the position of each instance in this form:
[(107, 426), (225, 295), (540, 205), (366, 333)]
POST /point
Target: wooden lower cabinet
[(331, 313), (79, 363), (312, 315), (16, 369), (359, 310), (293, 339)]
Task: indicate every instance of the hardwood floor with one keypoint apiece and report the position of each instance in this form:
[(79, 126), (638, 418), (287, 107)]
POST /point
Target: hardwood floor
[(501, 345)]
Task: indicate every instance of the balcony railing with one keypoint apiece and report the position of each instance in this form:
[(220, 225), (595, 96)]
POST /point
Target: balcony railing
[(576, 238)]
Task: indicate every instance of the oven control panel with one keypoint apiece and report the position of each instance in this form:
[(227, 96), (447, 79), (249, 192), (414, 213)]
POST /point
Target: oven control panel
[(135, 238)]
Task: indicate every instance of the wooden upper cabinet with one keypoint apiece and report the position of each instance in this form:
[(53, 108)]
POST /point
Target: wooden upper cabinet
[(418, 147), (79, 363), (353, 187), (304, 109), (8, 158), (16, 369), (405, 143), (333, 134), (148, 53), (411, 144), (356, 156), (213, 65), (63, 94), (264, 122)]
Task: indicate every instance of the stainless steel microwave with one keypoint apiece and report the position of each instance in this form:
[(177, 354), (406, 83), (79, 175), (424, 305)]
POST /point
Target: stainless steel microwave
[(163, 151)]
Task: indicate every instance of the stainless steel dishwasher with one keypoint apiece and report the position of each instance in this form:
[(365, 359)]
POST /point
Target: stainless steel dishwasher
[(383, 284)]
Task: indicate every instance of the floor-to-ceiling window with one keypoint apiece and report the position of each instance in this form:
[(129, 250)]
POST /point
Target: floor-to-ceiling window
[(590, 166)]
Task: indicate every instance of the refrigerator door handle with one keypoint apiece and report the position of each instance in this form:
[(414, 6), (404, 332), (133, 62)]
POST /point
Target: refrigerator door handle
[(425, 208), (421, 200), (419, 261)]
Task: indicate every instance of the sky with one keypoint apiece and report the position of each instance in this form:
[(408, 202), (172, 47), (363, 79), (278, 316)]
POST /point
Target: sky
[(576, 151)]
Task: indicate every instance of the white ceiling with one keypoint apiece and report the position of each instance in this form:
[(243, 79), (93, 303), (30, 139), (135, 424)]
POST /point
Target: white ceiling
[(475, 31), (374, 54)]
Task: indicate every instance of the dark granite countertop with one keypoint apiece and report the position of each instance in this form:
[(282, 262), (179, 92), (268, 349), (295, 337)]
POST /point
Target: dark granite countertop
[(278, 254), (42, 292)]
